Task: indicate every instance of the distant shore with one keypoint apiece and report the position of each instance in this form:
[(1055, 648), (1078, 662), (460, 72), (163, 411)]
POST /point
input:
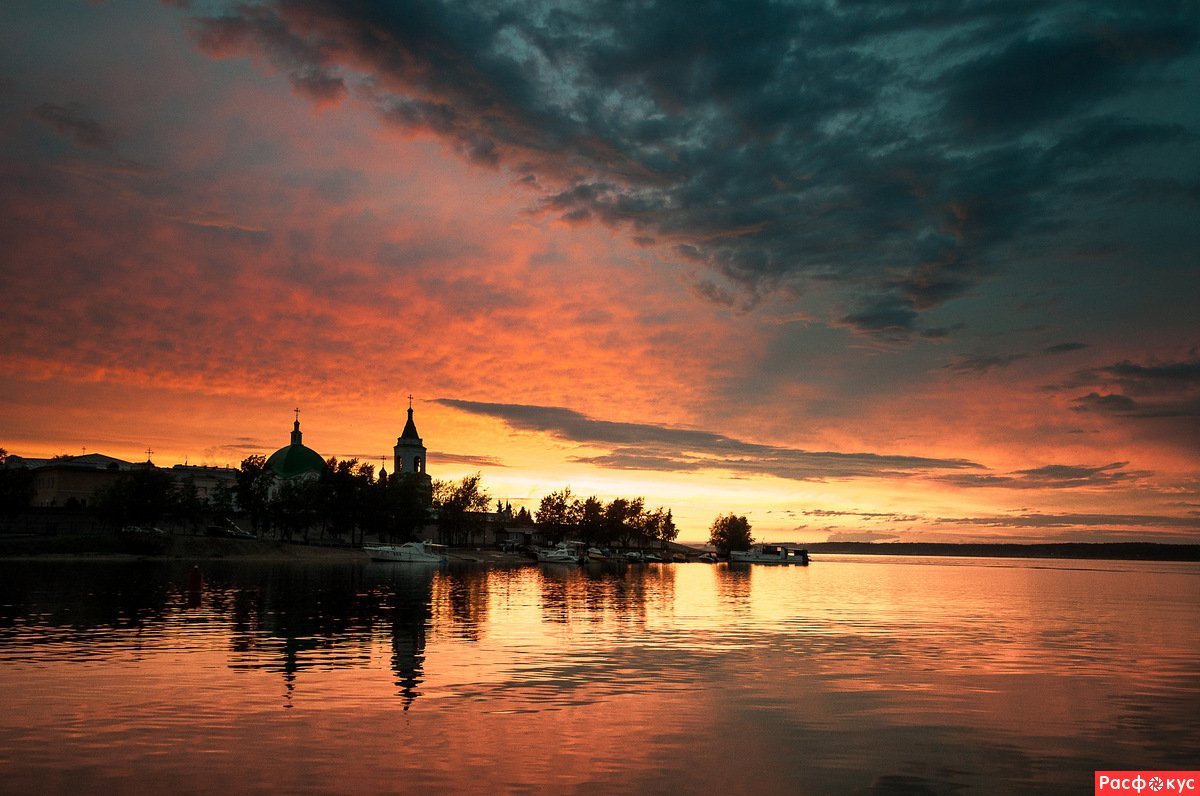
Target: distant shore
[(1116, 551)]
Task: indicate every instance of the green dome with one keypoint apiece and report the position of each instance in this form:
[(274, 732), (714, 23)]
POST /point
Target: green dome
[(294, 460)]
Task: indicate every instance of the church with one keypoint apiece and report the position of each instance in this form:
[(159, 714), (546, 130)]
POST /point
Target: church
[(297, 460)]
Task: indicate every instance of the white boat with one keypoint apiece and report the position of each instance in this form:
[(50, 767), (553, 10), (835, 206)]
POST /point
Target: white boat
[(412, 552), (769, 554), (562, 553)]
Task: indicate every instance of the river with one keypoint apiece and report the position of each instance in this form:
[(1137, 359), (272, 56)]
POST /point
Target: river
[(852, 675)]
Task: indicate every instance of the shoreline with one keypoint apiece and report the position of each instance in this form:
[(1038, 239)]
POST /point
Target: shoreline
[(110, 547)]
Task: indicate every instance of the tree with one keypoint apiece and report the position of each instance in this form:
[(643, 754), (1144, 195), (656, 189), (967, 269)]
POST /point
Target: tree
[(730, 532), (556, 513), (296, 506), (404, 509), (659, 525), (460, 506), (622, 519), (139, 497), (591, 522), (16, 487), (254, 482)]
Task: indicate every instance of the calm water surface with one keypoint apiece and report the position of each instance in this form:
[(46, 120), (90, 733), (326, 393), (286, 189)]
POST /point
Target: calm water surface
[(856, 674)]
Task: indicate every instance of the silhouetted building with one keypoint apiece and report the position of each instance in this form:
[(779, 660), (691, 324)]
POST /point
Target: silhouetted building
[(72, 479), (409, 459), (205, 479), (296, 460)]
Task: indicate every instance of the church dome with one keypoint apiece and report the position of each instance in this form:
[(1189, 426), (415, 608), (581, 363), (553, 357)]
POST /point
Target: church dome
[(295, 459)]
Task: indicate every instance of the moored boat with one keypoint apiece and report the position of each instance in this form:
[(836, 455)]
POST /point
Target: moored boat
[(562, 553), (769, 554), (410, 552)]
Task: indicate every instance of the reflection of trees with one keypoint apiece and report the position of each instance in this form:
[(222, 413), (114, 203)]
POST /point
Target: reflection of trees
[(598, 593), (84, 597), (463, 596), (733, 583), (284, 617)]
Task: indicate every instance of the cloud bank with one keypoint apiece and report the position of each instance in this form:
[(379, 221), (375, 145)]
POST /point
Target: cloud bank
[(639, 446), (898, 156)]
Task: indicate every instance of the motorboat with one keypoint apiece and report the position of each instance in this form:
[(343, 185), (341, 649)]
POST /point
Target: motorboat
[(769, 554), (410, 552), (596, 554), (707, 558), (562, 553)]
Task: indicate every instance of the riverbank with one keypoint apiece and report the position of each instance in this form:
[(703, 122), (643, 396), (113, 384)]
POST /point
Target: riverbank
[(108, 545), (206, 548), (199, 548)]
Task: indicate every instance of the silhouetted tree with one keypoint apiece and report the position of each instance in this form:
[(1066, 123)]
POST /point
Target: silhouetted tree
[(187, 508), (405, 511), (658, 525), (557, 512), (253, 488), (730, 532), (622, 519), (16, 487), (296, 506), (221, 503), (460, 505), (589, 517), (139, 497)]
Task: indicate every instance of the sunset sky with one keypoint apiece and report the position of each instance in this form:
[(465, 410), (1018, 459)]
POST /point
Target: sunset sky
[(857, 271)]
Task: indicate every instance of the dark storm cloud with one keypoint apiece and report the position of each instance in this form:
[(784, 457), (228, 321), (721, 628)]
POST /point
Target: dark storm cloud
[(1053, 476), (639, 446), (1037, 80), (467, 459), (304, 58), (982, 363), (866, 515), (73, 121), (901, 154), (1063, 348), (1160, 400)]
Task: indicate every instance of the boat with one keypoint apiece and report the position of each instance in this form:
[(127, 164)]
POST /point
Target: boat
[(769, 554), (562, 553), (411, 552), (596, 554), (707, 558)]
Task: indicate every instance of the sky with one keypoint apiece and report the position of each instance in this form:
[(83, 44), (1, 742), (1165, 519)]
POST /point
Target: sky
[(857, 271)]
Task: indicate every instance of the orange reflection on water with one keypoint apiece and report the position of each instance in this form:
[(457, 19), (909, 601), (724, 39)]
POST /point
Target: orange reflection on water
[(845, 674)]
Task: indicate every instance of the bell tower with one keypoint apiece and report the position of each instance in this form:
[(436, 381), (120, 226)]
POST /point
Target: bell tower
[(409, 450)]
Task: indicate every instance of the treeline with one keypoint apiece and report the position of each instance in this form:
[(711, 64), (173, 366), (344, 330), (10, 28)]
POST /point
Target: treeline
[(619, 522), (344, 502)]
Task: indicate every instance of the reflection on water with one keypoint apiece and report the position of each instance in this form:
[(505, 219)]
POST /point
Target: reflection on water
[(854, 674)]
